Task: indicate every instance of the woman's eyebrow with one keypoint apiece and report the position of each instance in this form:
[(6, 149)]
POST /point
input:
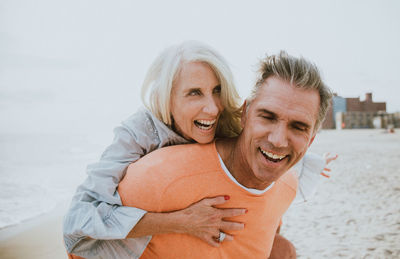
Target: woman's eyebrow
[(193, 89)]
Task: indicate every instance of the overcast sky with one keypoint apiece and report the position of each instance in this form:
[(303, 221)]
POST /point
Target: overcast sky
[(74, 60)]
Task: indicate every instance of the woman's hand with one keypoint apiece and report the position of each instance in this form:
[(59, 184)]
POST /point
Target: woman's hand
[(328, 158), (200, 219), (204, 221)]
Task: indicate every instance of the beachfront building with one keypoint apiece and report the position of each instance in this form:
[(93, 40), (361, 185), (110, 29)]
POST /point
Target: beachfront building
[(352, 113)]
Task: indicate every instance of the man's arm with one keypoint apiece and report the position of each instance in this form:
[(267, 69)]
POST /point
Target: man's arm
[(282, 248)]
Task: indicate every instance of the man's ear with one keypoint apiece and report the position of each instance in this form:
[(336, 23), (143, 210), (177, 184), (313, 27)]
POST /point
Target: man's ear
[(312, 139), (244, 111)]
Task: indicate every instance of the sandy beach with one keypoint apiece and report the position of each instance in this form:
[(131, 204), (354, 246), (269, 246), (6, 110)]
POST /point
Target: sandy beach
[(355, 214), (38, 238)]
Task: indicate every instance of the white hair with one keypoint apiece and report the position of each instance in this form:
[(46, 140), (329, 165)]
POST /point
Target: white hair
[(297, 71), (159, 80)]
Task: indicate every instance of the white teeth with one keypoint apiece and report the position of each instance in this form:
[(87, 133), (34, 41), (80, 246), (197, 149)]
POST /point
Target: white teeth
[(206, 122), (204, 127), (271, 155)]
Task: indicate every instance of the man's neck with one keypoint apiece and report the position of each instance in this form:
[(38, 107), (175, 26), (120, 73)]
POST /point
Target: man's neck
[(233, 155)]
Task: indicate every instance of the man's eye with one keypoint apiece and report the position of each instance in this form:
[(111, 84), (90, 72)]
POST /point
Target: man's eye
[(300, 128), (269, 118)]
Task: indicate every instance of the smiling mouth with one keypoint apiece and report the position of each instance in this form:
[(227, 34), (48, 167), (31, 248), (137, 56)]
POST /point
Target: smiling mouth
[(204, 124), (272, 157)]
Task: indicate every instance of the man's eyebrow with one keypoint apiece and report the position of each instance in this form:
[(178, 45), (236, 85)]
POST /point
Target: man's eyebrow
[(302, 124), (273, 114), (263, 110)]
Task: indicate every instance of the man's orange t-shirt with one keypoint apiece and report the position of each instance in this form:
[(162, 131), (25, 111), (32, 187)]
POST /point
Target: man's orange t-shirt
[(175, 177)]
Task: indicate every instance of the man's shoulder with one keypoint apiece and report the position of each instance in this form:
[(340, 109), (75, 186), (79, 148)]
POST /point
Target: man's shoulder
[(290, 179), (180, 155), (173, 166), (167, 164)]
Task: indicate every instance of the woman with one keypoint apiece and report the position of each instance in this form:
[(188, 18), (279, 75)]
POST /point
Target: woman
[(190, 97)]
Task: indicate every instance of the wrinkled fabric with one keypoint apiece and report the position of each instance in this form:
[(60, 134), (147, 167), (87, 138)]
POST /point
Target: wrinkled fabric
[(183, 183), (96, 224), (309, 168)]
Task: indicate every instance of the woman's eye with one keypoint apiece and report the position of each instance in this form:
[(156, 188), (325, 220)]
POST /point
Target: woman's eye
[(217, 90), (194, 93)]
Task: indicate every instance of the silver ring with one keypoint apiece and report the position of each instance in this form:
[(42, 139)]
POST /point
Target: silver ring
[(221, 237)]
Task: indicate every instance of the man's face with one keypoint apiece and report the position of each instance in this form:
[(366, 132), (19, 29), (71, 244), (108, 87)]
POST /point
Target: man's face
[(278, 127)]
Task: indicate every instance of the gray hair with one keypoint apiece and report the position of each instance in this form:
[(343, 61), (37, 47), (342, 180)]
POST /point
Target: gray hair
[(298, 72), (159, 80)]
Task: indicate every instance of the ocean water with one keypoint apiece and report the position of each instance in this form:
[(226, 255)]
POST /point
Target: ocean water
[(54, 122), (38, 171)]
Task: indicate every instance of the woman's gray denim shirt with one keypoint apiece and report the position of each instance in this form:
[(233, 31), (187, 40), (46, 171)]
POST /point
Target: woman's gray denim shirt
[(96, 224)]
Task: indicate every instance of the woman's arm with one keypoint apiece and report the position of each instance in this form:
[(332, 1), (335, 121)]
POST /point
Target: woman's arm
[(96, 220), (96, 210), (311, 168), (201, 219)]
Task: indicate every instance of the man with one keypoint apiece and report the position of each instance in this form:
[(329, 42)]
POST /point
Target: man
[(280, 121)]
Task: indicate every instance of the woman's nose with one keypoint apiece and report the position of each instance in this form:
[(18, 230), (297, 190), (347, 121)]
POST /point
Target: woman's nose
[(212, 106)]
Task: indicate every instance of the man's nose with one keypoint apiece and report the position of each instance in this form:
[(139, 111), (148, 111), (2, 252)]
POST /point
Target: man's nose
[(212, 106), (278, 135)]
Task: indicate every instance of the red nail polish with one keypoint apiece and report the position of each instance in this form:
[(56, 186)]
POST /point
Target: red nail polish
[(226, 197), (246, 211)]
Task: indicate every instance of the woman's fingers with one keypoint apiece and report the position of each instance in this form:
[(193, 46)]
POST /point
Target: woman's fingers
[(325, 175), (229, 226), (228, 237), (216, 200), (227, 213), (213, 240), (223, 212), (329, 158), (203, 220)]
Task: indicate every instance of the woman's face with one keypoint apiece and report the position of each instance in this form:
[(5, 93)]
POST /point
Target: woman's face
[(196, 102)]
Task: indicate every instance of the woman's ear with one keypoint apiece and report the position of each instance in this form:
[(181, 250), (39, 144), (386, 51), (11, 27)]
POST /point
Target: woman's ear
[(244, 115)]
